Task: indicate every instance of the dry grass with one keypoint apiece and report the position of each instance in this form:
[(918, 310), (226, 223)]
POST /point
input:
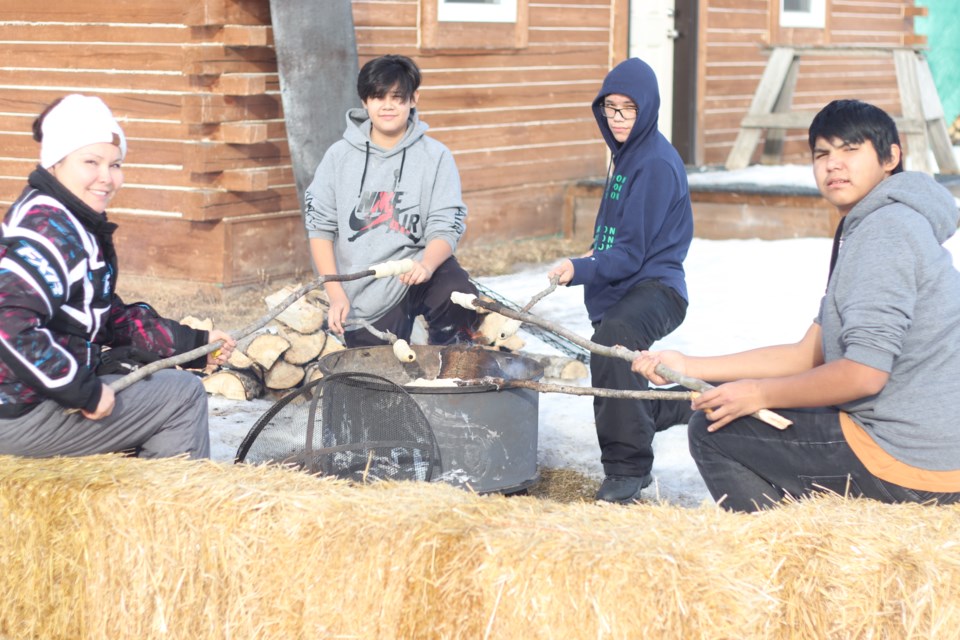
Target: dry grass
[(112, 547)]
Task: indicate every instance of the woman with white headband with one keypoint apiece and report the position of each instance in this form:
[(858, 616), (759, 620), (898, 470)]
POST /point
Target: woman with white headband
[(64, 333)]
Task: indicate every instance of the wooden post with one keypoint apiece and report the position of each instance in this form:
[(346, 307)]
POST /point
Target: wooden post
[(317, 63)]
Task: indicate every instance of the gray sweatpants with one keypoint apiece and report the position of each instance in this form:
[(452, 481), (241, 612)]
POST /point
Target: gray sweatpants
[(161, 416)]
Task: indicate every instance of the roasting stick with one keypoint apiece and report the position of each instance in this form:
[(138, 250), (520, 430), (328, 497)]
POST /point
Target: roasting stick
[(382, 270), (401, 348), (470, 301), (543, 387), (512, 325), (554, 281)]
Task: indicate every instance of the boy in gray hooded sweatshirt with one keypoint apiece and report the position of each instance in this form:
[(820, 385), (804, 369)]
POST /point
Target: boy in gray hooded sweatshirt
[(873, 385), (387, 191)]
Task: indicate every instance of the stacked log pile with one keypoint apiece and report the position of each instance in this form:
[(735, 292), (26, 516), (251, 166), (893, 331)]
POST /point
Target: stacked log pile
[(285, 354)]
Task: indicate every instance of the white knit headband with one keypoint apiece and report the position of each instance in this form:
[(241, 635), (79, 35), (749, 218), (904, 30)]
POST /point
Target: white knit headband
[(78, 121)]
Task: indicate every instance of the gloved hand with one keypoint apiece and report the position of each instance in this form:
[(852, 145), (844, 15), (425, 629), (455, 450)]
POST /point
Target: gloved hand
[(123, 360)]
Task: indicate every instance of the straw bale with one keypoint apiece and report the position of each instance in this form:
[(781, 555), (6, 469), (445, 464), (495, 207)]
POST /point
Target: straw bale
[(115, 547)]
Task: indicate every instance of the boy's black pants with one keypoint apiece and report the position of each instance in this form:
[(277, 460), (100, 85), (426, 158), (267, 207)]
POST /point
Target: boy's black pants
[(447, 322), (625, 428)]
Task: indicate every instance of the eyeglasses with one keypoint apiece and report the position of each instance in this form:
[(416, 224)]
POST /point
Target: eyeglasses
[(627, 113)]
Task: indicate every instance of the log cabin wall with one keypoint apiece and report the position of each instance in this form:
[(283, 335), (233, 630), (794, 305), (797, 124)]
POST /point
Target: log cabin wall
[(209, 194), (735, 35), (209, 191)]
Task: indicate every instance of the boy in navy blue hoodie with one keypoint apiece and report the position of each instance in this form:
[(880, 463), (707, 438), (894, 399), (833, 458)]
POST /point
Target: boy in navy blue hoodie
[(633, 278)]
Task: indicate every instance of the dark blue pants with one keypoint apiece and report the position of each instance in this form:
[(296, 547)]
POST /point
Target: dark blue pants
[(625, 428), (447, 322), (749, 465)]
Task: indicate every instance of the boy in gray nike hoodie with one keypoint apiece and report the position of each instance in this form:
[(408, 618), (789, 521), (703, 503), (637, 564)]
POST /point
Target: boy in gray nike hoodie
[(872, 386), (387, 191)]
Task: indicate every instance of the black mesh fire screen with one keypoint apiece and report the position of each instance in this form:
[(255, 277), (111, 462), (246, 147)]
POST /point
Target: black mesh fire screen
[(350, 425)]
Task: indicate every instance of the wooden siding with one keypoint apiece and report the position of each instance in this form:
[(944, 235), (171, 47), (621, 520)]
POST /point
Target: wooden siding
[(195, 87), (736, 35)]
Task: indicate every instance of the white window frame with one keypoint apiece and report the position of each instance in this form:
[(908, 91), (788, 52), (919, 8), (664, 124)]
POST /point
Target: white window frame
[(813, 19), (501, 11)]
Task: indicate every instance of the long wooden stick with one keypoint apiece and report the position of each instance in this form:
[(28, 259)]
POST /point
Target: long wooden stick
[(540, 296), (543, 387), (378, 271), (401, 348), (470, 301)]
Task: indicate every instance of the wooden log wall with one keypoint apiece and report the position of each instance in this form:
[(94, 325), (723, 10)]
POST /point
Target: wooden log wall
[(734, 36), (209, 193)]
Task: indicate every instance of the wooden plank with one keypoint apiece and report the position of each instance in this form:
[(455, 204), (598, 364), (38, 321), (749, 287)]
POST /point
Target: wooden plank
[(235, 35), (217, 59), (595, 16), (771, 84), (92, 81), (773, 144), (213, 157), (242, 84), (512, 213), (480, 97), (102, 56), (91, 32), (525, 167), (917, 148), (438, 79), (167, 248), (516, 135), (243, 132), (267, 248), (212, 108), (118, 12), (547, 116), (205, 12), (239, 205), (373, 14), (255, 179), (937, 133), (566, 37)]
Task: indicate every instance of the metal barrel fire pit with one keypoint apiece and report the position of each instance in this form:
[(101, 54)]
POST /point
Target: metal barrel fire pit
[(487, 436)]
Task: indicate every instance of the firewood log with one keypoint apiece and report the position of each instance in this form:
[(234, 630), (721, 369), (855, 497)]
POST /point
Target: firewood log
[(311, 372), (233, 384), (332, 346), (304, 347), (240, 360), (303, 315), (205, 324), (283, 375), (266, 349), (560, 367)]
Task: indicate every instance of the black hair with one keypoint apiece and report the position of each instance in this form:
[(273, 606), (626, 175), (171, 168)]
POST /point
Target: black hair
[(853, 122), (380, 75), (38, 122)]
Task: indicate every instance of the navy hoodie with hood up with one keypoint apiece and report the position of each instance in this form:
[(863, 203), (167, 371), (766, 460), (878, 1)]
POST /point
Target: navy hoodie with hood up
[(645, 222)]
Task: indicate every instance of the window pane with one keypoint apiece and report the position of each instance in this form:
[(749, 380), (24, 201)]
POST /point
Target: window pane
[(802, 6)]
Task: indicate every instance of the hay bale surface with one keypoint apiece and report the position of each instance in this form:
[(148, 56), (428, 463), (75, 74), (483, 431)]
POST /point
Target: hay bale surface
[(113, 547)]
